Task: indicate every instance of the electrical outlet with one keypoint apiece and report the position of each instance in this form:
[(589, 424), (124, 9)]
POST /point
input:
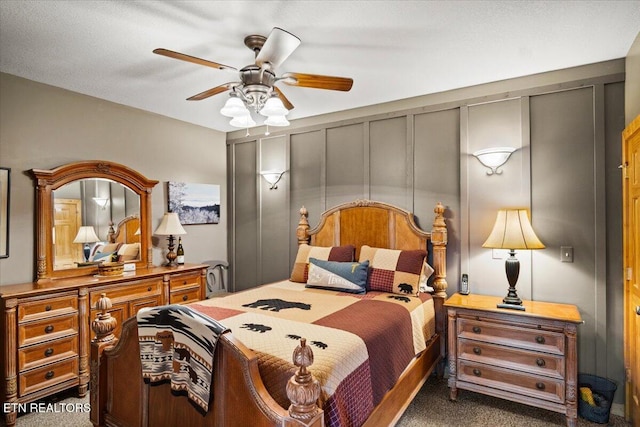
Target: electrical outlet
[(566, 253)]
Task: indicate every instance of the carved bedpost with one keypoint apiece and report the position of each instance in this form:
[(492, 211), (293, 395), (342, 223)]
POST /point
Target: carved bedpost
[(303, 390), (103, 326), (439, 246), (303, 227)]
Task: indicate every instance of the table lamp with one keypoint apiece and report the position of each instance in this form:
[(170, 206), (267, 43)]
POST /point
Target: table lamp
[(512, 231), (170, 226), (86, 234)]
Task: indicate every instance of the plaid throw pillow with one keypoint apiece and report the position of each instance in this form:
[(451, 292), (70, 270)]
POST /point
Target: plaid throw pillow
[(300, 270), (394, 270)]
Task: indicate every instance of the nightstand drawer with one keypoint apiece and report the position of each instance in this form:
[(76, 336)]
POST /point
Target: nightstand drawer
[(49, 375), (47, 329), (48, 352), (33, 310), (534, 386), (514, 336), (534, 363)]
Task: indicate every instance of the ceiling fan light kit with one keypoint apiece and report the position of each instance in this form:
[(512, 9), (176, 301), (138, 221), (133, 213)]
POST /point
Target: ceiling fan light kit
[(256, 89)]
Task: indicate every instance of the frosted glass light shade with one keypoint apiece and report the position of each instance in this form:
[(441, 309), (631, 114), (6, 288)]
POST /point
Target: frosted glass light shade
[(234, 107), (494, 157), (512, 230), (276, 121), (274, 107), (243, 121), (170, 225)]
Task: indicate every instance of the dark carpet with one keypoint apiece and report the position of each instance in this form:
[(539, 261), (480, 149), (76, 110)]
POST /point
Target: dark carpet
[(431, 407)]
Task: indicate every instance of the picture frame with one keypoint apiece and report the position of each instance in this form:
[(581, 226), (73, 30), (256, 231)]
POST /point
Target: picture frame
[(5, 187), (194, 203)]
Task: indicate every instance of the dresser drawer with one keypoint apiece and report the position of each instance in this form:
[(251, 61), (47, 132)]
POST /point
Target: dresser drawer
[(128, 291), (33, 310), (514, 336), (48, 352), (184, 280), (533, 386), (550, 365), (48, 375), (185, 296), (47, 329)]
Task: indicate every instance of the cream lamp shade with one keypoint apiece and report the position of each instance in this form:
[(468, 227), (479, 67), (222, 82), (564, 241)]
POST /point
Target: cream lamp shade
[(170, 225), (86, 234), (512, 230)]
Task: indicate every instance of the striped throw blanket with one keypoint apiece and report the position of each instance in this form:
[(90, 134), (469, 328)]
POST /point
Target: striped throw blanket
[(177, 344)]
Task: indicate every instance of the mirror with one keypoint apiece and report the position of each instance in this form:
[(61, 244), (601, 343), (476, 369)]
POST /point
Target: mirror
[(86, 212)]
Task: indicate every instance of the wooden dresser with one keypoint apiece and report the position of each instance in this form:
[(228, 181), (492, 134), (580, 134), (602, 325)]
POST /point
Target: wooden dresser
[(46, 325), (525, 356)]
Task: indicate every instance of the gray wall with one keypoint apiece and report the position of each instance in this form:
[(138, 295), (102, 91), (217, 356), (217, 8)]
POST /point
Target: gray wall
[(566, 128), (43, 127), (632, 82)]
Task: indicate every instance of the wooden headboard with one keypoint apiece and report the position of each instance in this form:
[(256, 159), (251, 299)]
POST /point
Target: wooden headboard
[(125, 231), (380, 225)]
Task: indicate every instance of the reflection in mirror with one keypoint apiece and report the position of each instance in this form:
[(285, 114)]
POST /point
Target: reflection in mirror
[(110, 210)]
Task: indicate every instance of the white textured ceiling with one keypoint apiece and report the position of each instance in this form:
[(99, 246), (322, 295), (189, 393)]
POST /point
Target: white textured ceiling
[(392, 49)]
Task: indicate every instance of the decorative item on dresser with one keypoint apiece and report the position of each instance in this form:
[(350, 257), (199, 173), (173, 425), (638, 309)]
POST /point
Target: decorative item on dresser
[(45, 324), (170, 226), (523, 356)]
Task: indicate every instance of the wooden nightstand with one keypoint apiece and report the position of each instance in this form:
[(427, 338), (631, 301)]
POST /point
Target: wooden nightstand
[(526, 356)]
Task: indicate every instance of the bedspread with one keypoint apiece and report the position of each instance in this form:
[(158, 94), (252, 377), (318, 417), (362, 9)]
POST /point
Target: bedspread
[(361, 343)]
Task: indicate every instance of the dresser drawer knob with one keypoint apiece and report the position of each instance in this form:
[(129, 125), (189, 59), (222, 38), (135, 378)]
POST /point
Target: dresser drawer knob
[(149, 289), (184, 282), (476, 329), (48, 329), (47, 308), (540, 339), (477, 350), (185, 297), (540, 386), (48, 352), (540, 362), (49, 375), (477, 372)]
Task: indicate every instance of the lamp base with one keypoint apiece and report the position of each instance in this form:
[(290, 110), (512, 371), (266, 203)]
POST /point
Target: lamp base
[(511, 306), (171, 255)]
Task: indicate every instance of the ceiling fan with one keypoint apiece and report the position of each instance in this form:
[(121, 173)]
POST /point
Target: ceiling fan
[(256, 87)]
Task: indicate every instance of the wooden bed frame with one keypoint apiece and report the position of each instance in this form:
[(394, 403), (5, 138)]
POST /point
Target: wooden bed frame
[(125, 231), (119, 396)]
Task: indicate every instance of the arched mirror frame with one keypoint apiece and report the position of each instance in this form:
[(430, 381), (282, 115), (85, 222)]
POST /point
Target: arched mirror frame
[(49, 180)]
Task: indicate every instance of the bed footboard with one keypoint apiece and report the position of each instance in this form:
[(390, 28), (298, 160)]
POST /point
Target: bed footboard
[(120, 396)]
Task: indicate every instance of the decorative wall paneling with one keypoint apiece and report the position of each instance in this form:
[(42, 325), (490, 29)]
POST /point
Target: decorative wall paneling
[(567, 139)]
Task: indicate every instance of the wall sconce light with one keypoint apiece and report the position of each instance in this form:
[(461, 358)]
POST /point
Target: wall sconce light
[(493, 158), (101, 201), (272, 177)]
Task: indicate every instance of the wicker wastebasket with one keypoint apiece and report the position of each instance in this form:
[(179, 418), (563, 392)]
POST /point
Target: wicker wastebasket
[(602, 391)]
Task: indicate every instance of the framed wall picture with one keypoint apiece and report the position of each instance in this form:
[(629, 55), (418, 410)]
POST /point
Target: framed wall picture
[(5, 175), (195, 203)]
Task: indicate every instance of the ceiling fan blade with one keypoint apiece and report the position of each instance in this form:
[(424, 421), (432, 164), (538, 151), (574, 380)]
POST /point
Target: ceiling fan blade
[(213, 91), (287, 104), (189, 58), (278, 46), (317, 81)]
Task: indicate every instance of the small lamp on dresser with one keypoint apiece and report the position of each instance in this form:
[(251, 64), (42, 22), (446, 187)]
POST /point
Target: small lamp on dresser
[(170, 226), (512, 230), (86, 234)]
